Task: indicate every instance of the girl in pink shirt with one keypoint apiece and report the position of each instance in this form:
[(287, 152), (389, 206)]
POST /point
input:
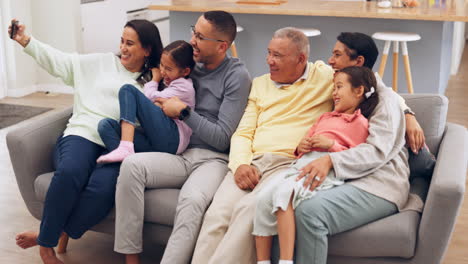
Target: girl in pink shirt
[(156, 132), (347, 126)]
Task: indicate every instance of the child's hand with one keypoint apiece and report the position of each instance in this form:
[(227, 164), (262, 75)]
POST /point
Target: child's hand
[(321, 141), (156, 74), (305, 145)]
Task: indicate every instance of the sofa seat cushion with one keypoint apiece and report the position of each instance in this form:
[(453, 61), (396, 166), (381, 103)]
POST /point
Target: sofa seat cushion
[(393, 236), (160, 204)]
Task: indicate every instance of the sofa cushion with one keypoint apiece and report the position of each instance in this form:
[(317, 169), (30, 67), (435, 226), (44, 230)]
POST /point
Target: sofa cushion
[(160, 204), (431, 113), (393, 236)]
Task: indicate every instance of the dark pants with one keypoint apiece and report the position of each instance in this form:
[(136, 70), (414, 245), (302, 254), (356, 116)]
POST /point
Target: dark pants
[(157, 132), (80, 194)]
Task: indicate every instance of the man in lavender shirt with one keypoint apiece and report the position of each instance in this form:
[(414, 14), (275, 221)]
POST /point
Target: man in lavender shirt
[(222, 87)]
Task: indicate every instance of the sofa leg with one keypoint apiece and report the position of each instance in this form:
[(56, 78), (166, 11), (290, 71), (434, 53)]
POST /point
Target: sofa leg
[(62, 245)]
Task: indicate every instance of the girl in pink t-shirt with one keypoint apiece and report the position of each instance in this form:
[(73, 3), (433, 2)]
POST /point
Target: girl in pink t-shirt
[(347, 126), (156, 132)]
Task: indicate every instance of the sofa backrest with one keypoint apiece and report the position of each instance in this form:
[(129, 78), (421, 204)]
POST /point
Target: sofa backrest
[(431, 113)]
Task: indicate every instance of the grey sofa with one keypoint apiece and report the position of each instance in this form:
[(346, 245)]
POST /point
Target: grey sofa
[(406, 237)]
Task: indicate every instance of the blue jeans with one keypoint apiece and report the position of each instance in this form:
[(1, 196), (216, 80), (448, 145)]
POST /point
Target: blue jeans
[(157, 132), (331, 212), (80, 194)]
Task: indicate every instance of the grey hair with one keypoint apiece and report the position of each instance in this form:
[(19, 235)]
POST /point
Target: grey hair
[(296, 36)]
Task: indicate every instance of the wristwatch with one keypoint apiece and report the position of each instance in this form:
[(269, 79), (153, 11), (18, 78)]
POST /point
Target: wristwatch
[(185, 113), (408, 111)]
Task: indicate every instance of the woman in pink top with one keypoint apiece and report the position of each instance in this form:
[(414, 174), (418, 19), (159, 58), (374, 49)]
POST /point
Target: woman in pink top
[(347, 126), (156, 132)]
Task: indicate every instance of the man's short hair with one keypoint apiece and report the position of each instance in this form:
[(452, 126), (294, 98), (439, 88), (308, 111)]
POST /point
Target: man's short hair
[(296, 36), (223, 22), (360, 44)]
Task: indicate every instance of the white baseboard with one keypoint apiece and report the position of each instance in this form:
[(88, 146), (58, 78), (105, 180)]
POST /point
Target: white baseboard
[(55, 88), (20, 92)]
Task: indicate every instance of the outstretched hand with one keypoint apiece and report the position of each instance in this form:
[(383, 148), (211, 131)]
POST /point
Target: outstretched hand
[(20, 35)]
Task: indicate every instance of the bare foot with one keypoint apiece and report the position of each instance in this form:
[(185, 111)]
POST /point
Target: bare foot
[(48, 256), (27, 239)]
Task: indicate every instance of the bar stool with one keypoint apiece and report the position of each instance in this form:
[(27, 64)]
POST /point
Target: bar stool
[(310, 32), (233, 45), (397, 37)]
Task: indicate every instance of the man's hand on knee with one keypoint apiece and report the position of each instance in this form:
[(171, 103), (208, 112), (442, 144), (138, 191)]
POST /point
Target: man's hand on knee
[(246, 177)]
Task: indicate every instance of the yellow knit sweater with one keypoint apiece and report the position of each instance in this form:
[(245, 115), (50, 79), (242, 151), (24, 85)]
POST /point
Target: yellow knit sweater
[(276, 119)]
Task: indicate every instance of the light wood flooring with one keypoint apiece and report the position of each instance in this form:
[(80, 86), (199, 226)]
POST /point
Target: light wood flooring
[(97, 248)]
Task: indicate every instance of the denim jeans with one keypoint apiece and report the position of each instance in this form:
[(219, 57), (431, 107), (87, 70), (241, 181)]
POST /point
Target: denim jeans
[(80, 194), (157, 132)]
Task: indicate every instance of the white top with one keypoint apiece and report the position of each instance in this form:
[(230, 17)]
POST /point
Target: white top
[(96, 78), (310, 32), (396, 36)]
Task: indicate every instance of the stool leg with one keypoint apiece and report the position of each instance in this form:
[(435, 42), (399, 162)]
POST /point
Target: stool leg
[(395, 66), (233, 50), (409, 78), (62, 245), (383, 62)]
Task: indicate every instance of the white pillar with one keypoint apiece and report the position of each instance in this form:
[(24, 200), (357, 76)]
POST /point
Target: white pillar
[(7, 52)]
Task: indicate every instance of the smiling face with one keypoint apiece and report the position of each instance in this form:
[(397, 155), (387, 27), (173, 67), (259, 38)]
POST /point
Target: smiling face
[(132, 53), (286, 64), (345, 97), (169, 69), (340, 58), (206, 48)]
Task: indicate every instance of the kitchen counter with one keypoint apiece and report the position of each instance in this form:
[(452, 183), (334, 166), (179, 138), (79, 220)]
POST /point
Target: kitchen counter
[(451, 10), (430, 57)]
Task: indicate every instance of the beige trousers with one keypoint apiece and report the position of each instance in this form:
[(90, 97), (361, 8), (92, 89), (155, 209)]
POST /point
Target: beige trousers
[(226, 233)]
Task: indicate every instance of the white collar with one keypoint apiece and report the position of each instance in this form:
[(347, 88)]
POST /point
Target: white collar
[(303, 77)]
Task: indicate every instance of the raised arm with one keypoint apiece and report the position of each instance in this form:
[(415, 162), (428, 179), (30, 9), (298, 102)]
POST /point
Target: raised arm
[(55, 62)]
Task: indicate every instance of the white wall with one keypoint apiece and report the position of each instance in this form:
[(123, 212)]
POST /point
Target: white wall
[(57, 23), (21, 72), (103, 22), (66, 25)]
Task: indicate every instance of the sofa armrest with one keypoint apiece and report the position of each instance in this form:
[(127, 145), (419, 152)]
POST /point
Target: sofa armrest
[(431, 113), (31, 147), (444, 197)]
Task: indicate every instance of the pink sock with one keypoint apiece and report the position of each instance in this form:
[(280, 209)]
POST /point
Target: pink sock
[(124, 150)]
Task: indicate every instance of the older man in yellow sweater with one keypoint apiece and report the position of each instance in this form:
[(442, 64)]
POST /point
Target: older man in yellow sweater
[(282, 106)]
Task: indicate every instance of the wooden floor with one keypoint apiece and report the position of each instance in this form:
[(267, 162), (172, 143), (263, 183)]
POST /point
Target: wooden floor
[(97, 248)]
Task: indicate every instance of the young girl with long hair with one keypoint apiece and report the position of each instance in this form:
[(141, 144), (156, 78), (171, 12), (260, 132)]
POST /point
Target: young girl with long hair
[(157, 132), (345, 127)]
